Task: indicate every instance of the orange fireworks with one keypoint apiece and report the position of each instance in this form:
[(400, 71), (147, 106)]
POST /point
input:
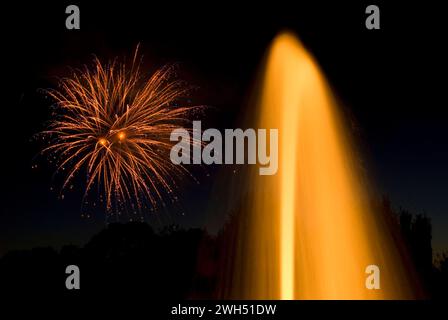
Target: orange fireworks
[(115, 124)]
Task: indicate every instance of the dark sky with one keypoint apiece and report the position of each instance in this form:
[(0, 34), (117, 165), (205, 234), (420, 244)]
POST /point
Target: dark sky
[(391, 81)]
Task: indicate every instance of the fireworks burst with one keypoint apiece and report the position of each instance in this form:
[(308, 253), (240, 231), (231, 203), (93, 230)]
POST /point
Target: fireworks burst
[(115, 125)]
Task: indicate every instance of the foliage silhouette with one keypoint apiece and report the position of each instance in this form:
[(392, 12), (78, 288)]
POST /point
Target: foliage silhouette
[(131, 259)]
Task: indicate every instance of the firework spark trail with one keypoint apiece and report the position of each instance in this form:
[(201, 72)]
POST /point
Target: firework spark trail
[(116, 124)]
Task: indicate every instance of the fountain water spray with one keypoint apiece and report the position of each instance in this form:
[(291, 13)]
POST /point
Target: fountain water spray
[(310, 232)]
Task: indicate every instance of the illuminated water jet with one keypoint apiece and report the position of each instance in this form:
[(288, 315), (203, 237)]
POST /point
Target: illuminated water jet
[(309, 232)]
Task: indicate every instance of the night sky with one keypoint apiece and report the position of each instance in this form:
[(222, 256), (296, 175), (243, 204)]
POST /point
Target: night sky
[(390, 81)]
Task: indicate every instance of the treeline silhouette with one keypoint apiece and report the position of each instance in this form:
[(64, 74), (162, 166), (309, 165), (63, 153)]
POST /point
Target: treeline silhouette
[(174, 263), (414, 233)]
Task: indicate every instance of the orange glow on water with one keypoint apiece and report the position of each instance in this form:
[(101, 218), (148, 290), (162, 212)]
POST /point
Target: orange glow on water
[(310, 231)]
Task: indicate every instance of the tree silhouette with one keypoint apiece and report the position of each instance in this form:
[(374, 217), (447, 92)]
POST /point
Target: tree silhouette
[(176, 263)]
